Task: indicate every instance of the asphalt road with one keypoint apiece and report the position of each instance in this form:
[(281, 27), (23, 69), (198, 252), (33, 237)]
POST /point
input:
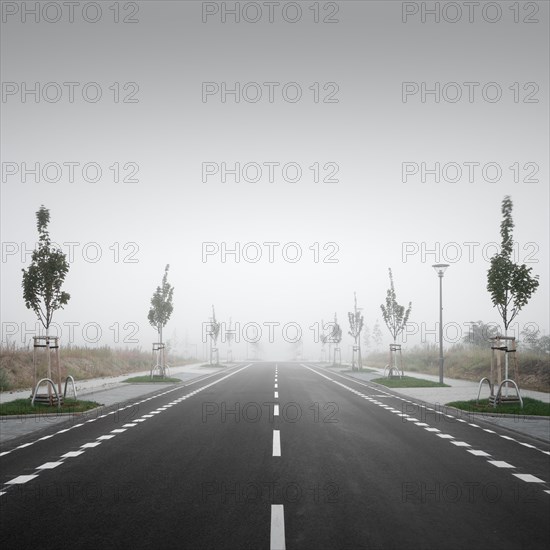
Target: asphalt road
[(274, 456)]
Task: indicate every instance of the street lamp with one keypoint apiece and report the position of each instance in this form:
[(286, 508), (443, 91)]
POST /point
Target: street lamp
[(440, 270)]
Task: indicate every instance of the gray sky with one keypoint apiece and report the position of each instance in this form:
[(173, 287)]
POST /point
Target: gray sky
[(378, 213)]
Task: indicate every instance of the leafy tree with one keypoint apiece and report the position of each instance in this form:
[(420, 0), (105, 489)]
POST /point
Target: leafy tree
[(335, 336), (43, 279), (161, 304), (213, 333), (395, 316), (161, 309), (510, 285), (356, 325)]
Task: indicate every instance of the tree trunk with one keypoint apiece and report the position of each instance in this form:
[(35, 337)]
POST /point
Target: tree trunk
[(49, 359)]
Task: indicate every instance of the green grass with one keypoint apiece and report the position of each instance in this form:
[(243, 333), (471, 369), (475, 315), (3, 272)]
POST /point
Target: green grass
[(531, 406), (156, 380), (23, 406), (408, 382)]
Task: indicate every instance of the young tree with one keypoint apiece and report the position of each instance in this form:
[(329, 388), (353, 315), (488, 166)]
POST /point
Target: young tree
[(394, 315), (356, 325), (161, 309), (213, 333), (43, 279), (510, 285), (335, 337)]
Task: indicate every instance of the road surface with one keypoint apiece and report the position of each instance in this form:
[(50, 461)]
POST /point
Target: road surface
[(269, 455)]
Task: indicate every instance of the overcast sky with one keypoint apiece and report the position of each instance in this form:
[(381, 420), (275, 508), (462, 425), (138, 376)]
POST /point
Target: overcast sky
[(365, 115)]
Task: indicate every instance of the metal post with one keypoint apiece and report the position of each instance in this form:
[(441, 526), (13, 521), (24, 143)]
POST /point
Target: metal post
[(440, 327), (440, 270)]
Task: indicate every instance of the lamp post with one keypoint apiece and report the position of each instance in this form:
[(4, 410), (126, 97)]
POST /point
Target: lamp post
[(440, 270)]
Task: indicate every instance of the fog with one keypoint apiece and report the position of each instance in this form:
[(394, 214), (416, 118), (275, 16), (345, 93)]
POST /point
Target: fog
[(406, 177)]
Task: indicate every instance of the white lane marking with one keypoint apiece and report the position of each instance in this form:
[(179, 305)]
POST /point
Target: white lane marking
[(478, 453), (103, 437), (5, 453), (45, 437), (131, 425), (19, 480), (497, 463), (500, 464), (277, 538), (49, 465), (118, 431), (529, 478), (275, 385), (72, 454), (90, 445), (422, 424), (276, 443), (276, 395), (276, 410)]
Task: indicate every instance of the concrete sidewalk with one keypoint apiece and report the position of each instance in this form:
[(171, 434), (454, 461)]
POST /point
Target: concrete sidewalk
[(466, 390)]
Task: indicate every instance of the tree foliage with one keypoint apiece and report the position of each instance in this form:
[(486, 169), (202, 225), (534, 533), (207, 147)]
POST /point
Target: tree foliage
[(355, 322), (395, 316), (214, 327), (336, 332), (161, 304), (43, 279), (510, 285)]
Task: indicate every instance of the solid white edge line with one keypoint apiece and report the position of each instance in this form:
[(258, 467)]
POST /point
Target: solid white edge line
[(277, 537)]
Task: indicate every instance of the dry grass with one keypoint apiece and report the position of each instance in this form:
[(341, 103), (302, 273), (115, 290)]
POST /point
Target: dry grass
[(469, 363), (16, 364)]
